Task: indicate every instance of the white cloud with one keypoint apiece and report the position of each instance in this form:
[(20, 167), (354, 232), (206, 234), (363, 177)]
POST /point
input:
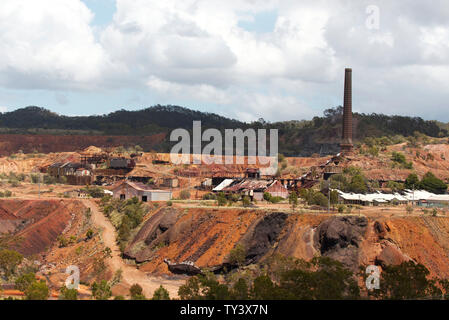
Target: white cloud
[(48, 44), (195, 51), (3, 109)]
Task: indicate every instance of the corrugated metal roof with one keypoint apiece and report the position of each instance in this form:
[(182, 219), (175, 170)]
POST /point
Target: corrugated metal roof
[(225, 183), (408, 195)]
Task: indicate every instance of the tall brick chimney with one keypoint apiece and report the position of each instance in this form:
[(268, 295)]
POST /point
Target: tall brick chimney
[(346, 142)]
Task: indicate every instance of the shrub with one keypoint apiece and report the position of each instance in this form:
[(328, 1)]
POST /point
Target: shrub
[(161, 294), (293, 199), (101, 290), (49, 179), (246, 202), (434, 212), (237, 255), (135, 291), (37, 291), (409, 209), (209, 196), (68, 294), (94, 192), (221, 199), (184, 195), (89, 234)]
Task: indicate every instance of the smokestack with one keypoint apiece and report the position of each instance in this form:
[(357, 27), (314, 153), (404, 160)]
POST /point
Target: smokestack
[(346, 143)]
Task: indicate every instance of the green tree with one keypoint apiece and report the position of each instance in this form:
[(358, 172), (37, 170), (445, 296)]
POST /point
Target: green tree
[(221, 199), (357, 184), (321, 279), (101, 290), (407, 281), (9, 260), (264, 289), (320, 199), (412, 181), (240, 290), (136, 292), (293, 200), (203, 287), (266, 196), (161, 294), (432, 184), (237, 255), (24, 281), (68, 294), (37, 290)]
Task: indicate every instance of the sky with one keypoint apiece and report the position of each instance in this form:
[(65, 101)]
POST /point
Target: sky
[(244, 59)]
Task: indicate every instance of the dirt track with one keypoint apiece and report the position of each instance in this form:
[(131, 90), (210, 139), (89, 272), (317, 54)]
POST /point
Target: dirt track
[(130, 274)]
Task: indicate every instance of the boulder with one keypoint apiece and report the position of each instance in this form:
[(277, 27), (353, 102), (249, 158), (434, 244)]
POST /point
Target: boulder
[(339, 239)]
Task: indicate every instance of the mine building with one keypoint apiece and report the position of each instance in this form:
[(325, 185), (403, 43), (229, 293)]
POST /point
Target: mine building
[(252, 173), (121, 163), (75, 173), (254, 188), (126, 189)]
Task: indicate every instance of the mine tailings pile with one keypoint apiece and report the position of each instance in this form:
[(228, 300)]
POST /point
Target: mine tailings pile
[(184, 241), (36, 224)]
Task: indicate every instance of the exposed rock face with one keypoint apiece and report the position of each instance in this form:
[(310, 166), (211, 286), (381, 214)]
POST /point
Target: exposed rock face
[(152, 234), (263, 234), (390, 255), (339, 239), (166, 222), (205, 237), (380, 229)]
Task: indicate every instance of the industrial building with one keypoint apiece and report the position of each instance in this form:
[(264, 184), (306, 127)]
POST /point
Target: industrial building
[(417, 197), (126, 189), (254, 188)]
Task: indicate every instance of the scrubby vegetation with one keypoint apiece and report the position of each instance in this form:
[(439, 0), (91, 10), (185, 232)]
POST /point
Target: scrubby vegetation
[(385, 130), (429, 183), (125, 216), (287, 278)]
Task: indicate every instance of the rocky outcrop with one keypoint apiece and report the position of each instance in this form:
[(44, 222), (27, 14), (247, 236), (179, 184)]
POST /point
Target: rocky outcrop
[(390, 255), (206, 236), (339, 239), (260, 239)]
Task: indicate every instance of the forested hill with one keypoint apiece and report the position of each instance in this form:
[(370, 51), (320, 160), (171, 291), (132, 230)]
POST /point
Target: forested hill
[(299, 138)]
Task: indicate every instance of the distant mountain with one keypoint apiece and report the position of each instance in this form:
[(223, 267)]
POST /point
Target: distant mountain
[(296, 138)]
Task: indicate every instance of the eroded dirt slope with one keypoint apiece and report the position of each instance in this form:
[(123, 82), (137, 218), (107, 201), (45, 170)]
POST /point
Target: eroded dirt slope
[(36, 224), (206, 237)]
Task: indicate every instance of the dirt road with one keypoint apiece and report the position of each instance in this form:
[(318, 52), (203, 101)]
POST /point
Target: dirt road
[(130, 274)]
